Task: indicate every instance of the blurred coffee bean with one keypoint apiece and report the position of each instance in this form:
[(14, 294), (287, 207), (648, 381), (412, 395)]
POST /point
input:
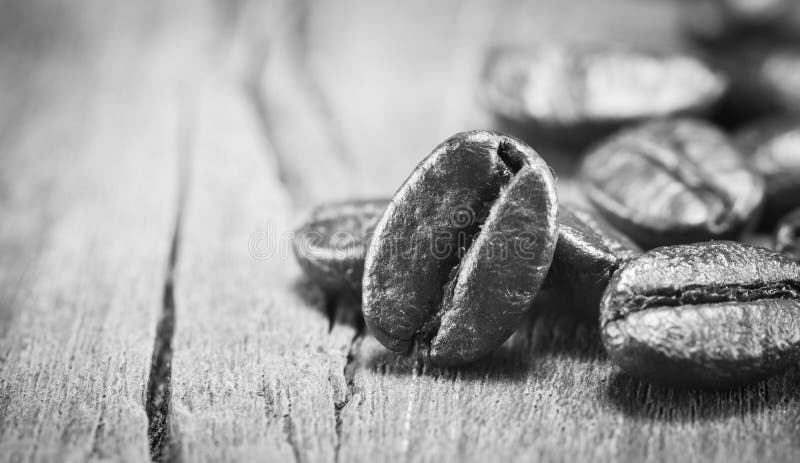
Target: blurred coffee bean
[(461, 251), (772, 148), (714, 314), (571, 94), (330, 246), (716, 20), (672, 181), (588, 252), (787, 235)]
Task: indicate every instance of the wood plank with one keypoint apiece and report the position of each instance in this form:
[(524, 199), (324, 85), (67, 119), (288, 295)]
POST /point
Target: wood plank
[(87, 207), (259, 354), (258, 366), (253, 375), (89, 192)]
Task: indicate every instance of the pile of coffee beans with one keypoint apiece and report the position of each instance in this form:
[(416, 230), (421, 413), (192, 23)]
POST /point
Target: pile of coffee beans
[(476, 238)]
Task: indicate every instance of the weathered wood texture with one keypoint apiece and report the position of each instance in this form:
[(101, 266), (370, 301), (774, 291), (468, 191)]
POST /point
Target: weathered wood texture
[(87, 199), (154, 159)]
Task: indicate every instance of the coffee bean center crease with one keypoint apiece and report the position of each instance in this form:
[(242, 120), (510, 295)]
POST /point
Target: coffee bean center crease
[(704, 294)]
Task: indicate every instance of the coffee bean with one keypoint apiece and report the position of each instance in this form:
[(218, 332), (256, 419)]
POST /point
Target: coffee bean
[(714, 314), (673, 181), (587, 254), (575, 94), (717, 20), (787, 235), (772, 148), (330, 246), (460, 253)]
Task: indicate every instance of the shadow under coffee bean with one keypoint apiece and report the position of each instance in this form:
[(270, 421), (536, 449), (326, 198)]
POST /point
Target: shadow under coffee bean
[(588, 252), (462, 249), (673, 181), (715, 314)]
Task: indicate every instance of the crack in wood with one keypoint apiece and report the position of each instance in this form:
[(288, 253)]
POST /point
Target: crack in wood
[(99, 428), (349, 373), (159, 385), (289, 431)]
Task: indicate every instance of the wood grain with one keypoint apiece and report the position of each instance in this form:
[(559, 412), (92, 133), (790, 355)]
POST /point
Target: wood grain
[(88, 194), (154, 159), (258, 370), (259, 365)]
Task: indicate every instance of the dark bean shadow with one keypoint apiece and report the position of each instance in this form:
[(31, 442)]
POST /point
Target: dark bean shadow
[(562, 333), (346, 310), (642, 401), (338, 308), (507, 364)]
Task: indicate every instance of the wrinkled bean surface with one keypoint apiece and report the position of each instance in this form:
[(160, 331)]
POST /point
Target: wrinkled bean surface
[(712, 314), (462, 249), (673, 181)]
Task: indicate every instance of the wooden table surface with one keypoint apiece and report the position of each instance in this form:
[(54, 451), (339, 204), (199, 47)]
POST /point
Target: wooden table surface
[(154, 158)]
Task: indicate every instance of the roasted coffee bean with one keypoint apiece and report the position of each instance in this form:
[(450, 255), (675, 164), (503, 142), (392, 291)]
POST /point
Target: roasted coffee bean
[(787, 235), (330, 246), (673, 181), (574, 94), (772, 148), (714, 314), (729, 19), (587, 254), (462, 249)]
